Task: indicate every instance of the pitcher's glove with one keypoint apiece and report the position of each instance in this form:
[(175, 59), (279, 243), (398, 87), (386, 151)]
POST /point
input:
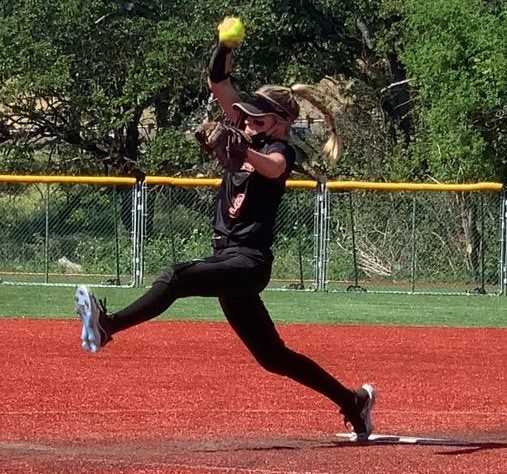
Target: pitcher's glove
[(227, 144)]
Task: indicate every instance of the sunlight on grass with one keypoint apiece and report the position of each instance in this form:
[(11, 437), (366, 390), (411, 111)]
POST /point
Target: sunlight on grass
[(290, 307)]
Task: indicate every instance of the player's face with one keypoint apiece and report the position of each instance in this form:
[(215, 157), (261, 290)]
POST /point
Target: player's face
[(255, 125)]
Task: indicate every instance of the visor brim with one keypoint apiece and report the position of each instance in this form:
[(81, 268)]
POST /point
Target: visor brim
[(260, 107), (251, 109)]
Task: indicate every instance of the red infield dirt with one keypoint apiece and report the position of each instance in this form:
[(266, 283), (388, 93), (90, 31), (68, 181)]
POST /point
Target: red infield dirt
[(174, 397)]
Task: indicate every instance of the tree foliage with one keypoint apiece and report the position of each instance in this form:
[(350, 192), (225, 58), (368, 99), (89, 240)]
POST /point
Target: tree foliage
[(428, 79), (67, 80), (456, 54)]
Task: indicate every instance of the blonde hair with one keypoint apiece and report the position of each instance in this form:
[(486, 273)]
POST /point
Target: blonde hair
[(327, 100)]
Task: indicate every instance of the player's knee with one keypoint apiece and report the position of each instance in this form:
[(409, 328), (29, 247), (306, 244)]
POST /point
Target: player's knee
[(166, 277)]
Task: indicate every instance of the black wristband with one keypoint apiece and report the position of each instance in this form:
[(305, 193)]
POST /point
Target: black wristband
[(216, 68)]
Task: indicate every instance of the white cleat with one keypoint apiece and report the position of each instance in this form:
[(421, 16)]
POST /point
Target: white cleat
[(84, 337), (88, 311)]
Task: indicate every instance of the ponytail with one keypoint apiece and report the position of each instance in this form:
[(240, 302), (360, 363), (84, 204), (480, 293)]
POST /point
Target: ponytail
[(326, 99)]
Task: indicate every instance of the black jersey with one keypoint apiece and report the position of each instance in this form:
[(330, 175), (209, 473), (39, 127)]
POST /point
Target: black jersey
[(247, 202)]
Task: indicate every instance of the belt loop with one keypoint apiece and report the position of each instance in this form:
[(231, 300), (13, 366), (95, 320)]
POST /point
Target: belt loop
[(221, 242)]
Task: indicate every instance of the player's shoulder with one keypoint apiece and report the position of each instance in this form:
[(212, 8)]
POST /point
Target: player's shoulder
[(282, 147)]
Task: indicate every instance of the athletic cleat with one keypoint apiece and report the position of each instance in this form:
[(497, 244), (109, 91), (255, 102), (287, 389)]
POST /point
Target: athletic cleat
[(359, 415), (92, 314), (84, 338)]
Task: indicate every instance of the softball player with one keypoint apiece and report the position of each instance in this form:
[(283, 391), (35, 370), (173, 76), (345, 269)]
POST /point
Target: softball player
[(240, 267)]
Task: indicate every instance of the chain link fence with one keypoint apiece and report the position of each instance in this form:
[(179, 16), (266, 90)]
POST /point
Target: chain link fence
[(359, 240), (178, 228), (65, 234), (441, 242)]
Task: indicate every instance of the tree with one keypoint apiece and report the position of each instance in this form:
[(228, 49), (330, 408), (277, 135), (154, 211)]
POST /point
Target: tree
[(456, 54), (85, 86), (67, 80)]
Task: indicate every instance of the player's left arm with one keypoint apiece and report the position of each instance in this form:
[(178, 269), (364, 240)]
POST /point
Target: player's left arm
[(231, 33), (226, 95)]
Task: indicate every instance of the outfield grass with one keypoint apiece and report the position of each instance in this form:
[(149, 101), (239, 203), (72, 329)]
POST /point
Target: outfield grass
[(291, 306)]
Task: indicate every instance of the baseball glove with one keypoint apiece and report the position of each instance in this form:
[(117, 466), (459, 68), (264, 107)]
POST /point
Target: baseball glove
[(227, 144)]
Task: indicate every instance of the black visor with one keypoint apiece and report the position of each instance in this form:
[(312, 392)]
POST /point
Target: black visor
[(259, 107)]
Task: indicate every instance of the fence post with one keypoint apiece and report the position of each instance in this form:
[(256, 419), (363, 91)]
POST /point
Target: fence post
[(137, 232), (321, 223), (46, 237)]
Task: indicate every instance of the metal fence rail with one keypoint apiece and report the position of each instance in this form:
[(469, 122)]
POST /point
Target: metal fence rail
[(335, 236)]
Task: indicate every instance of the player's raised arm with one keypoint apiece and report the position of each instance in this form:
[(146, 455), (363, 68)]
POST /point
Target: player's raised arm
[(231, 32)]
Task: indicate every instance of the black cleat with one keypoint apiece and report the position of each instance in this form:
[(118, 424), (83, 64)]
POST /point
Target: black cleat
[(359, 414)]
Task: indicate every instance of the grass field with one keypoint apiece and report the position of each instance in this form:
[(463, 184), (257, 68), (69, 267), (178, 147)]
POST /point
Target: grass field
[(290, 306)]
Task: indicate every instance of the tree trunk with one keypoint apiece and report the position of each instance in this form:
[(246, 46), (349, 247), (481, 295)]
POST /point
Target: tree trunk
[(470, 222)]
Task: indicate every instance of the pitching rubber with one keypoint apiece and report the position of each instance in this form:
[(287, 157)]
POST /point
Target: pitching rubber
[(388, 439)]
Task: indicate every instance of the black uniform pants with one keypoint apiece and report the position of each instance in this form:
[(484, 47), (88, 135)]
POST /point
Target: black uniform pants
[(236, 275)]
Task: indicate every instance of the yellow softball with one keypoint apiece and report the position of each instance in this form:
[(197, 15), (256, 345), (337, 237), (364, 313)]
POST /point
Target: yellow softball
[(231, 31)]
